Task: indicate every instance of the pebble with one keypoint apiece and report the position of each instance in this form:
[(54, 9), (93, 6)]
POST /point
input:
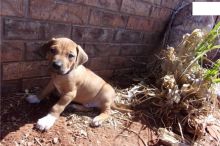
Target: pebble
[(55, 140), (29, 143), (83, 132)]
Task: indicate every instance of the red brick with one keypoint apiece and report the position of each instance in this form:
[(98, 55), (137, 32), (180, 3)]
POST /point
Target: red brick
[(101, 50), (99, 63), (21, 29), (102, 18), (73, 1), (157, 2), (106, 74), (12, 71), (120, 62), (107, 4), (161, 13), (56, 30), (32, 51), (170, 3), (136, 7), (142, 63), (24, 29), (133, 50), (139, 23), (160, 26), (51, 10), (122, 71), (1, 28), (126, 36), (25, 69), (91, 34), (143, 58), (152, 37), (12, 7), (35, 69), (35, 82), (78, 33), (11, 86), (12, 51)]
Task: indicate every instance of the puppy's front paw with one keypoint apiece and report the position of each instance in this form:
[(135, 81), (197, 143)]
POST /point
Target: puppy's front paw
[(46, 122), (32, 99)]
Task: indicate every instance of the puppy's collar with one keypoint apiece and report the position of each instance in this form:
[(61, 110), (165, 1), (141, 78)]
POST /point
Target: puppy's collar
[(68, 72)]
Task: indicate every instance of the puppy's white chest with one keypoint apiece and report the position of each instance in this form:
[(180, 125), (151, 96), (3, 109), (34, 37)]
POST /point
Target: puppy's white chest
[(58, 88), (61, 85)]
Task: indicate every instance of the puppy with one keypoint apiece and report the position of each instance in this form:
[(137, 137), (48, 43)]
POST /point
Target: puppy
[(74, 82)]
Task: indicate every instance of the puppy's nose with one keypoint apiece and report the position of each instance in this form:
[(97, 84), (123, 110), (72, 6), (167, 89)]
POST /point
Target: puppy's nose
[(57, 65)]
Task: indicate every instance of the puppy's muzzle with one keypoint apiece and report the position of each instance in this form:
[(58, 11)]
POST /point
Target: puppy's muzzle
[(57, 65)]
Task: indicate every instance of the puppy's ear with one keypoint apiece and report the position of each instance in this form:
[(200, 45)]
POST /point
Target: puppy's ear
[(43, 50), (82, 57)]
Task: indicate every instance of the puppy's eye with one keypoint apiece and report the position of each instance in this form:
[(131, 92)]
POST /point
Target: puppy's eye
[(71, 56), (53, 50)]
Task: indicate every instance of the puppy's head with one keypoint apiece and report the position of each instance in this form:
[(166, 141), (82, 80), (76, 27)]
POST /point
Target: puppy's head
[(64, 55)]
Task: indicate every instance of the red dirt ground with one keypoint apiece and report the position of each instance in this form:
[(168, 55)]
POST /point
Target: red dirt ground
[(19, 117)]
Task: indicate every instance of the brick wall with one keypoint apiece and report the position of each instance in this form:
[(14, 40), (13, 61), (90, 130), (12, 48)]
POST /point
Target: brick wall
[(112, 32)]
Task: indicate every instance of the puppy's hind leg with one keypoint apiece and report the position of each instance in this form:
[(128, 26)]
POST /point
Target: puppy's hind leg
[(105, 96), (103, 116)]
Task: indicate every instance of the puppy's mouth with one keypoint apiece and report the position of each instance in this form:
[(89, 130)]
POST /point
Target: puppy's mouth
[(60, 71)]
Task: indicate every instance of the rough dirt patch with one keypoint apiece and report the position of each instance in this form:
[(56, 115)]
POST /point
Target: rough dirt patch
[(18, 119)]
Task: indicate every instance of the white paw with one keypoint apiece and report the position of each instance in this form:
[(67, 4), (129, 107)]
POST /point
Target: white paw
[(32, 99), (46, 122), (96, 122)]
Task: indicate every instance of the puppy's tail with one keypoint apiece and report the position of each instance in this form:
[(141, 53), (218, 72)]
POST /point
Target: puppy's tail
[(122, 108)]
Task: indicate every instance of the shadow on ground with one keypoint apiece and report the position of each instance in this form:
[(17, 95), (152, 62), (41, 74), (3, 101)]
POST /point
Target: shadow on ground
[(19, 117)]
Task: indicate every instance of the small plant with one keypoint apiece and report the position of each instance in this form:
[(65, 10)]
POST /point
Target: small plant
[(207, 45), (213, 73)]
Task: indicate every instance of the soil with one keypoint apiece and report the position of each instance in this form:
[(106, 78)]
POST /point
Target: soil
[(18, 120)]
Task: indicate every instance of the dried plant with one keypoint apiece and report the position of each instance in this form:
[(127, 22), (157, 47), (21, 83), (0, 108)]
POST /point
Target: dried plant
[(183, 98)]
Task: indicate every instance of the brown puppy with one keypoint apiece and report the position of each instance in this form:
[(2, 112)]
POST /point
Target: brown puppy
[(74, 82)]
